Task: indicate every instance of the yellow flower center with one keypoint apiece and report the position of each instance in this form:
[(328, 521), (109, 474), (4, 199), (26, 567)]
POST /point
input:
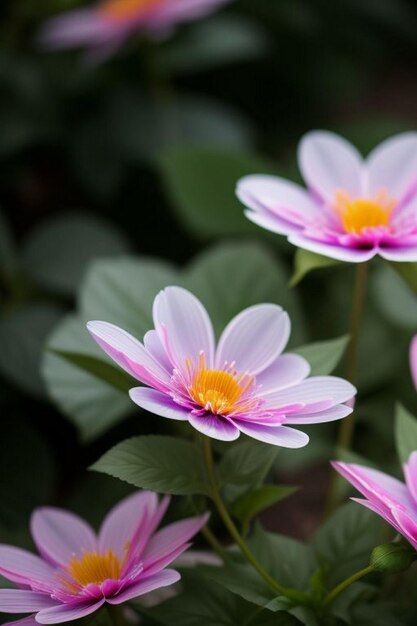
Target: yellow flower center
[(358, 214), (94, 568), (125, 9), (218, 391)]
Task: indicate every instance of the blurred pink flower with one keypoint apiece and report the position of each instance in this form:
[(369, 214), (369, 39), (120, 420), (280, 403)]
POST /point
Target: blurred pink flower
[(80, 571), (413, 360), (393, 500), (352, 208), (244, 385), (104, 27)]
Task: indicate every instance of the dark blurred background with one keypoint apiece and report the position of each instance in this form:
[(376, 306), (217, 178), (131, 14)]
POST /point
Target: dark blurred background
[(139, 155)]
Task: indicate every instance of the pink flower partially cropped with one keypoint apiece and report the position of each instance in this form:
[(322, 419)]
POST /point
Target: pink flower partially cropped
[(243, 385), (352, 209), (79, 571), (104, 27), (390, 498)]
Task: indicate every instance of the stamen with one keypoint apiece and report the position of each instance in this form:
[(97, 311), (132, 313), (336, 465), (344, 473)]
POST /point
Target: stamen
[(94, 568), (124, 9), (359, 214)]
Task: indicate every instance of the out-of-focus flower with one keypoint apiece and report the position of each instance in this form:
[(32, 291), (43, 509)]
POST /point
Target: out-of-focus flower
[(393, 500), (104, 27), (79, 571), (352, 208), (243, 385), (413, 360)]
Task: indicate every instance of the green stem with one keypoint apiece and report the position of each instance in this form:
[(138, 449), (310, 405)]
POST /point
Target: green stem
[(212, 541), (292, 594), (348, 424), (116, 615), (341, 587)]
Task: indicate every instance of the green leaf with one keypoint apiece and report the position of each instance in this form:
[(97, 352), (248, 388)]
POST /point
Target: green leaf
[(287, 560), (23, 333), (120, 291), (405, 433), (344, 544), (245, 465), (249, 504), (395, 299), (306, 261), (256, 275), (162, 464), (58, 252), (408, 272), (324, 356), (27, 472), (201, 184), (92, 404), (216, 41), (100, 369), (205, 603)]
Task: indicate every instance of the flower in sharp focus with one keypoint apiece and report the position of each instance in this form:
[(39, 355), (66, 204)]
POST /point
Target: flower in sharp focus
[(79, 571), (352, 209), (393, 500), (244, 385), (104, 27)]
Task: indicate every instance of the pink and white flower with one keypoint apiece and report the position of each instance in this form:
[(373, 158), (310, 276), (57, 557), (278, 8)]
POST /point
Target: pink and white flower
[(352, 209), (104, 27), (393, 500), (79, 570), (243, 385)]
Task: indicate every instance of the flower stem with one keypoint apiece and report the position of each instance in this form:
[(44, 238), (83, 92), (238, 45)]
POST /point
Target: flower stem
[(348, 424), (116, 615), (292, 594), (341, 587)]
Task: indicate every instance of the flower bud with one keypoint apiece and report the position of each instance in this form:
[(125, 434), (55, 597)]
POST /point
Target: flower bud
[(392, 557)]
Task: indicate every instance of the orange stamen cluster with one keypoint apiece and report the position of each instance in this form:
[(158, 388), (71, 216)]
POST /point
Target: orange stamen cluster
[(218, 391), (94, 568), (358, 214), (117, 10)]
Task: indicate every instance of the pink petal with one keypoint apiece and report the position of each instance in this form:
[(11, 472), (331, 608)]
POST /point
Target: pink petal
[(393, 166), (76, 28), (413, 359), (376, 486), (121, 523), (313, 390), (183, 326), (279, 196), (214, 426), (166, 542), (158, 403), (381, 510), (183, 11), (270, 221), (59, 535), (155, 581), (338, 252), (406, 524), (67, 612), (275, 435), (24, 568), (399, 254), (155, 348), (329, 415), (129, 353), (410, 473), (287, 370), (22, 601), (254, 338), (329, 163)]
